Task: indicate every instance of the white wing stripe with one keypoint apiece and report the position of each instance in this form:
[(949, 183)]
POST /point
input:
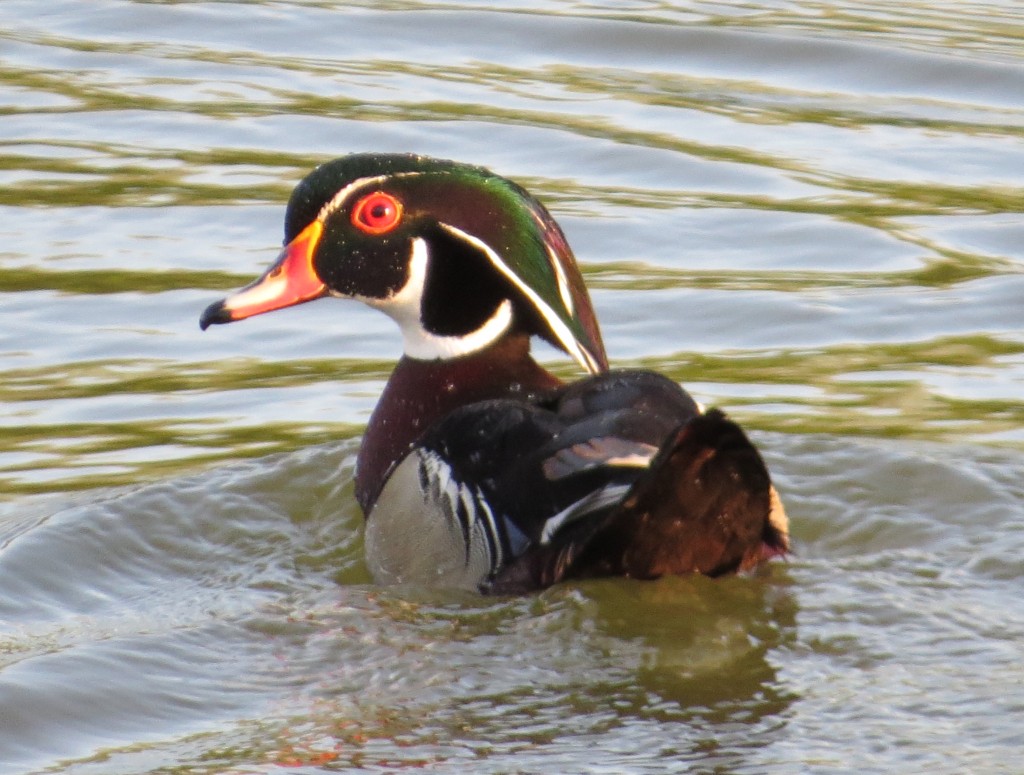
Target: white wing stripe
[(598, 499)]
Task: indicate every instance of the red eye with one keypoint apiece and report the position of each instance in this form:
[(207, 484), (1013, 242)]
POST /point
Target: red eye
[(377, 213)]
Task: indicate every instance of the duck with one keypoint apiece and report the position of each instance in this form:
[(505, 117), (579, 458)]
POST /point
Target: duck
[(479, 469)]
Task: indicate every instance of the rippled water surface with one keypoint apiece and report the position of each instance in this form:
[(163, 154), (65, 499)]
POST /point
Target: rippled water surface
[(809, 212)]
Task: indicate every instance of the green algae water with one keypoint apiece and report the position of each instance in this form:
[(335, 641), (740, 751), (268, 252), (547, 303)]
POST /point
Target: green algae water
[(810, 213)]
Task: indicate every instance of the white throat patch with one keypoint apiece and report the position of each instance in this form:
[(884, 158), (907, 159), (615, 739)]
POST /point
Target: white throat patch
[(560, 329), (405, 308)]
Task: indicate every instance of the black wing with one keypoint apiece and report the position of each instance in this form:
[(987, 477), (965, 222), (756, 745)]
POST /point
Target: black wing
[(554, 470)]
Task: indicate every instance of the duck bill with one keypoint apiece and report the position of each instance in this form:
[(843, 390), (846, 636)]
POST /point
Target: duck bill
[(291, 280)]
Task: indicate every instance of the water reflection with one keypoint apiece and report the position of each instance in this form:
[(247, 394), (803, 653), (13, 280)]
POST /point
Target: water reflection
[(511, 680)]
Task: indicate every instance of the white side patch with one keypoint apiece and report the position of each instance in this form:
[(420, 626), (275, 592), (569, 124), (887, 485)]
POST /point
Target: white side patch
[(462, 505), (426, 528), (404, 307), (560, 329), (777, 514)]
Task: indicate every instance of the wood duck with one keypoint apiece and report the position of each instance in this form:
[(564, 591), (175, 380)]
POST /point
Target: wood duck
[(479, 468)]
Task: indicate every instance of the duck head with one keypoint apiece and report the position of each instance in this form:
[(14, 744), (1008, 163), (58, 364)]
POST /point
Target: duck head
[(457, 256)]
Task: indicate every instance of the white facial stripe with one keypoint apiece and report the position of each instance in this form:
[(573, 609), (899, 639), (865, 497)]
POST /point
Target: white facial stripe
[(561, 330), (563, 282), (335, 202), (404, 307), (339, 198)]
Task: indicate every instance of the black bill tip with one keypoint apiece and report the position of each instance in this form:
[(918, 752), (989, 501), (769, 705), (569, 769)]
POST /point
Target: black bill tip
[(215, 313)]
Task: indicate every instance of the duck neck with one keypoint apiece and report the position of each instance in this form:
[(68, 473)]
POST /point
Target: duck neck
[(421, 392)]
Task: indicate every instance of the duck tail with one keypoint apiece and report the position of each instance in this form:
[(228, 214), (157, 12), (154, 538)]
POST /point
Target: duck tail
[(705, 505)]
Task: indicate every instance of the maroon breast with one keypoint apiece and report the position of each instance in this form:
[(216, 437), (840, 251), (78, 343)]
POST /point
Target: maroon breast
[(419, 393)]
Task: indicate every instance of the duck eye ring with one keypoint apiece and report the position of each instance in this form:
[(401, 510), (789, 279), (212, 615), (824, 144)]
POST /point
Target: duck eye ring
[(377, 213)]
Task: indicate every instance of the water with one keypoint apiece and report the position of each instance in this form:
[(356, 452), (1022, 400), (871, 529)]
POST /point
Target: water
[(809, 212)]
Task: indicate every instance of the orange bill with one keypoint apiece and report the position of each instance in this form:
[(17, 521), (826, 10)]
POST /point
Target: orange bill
[(291, 280)]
